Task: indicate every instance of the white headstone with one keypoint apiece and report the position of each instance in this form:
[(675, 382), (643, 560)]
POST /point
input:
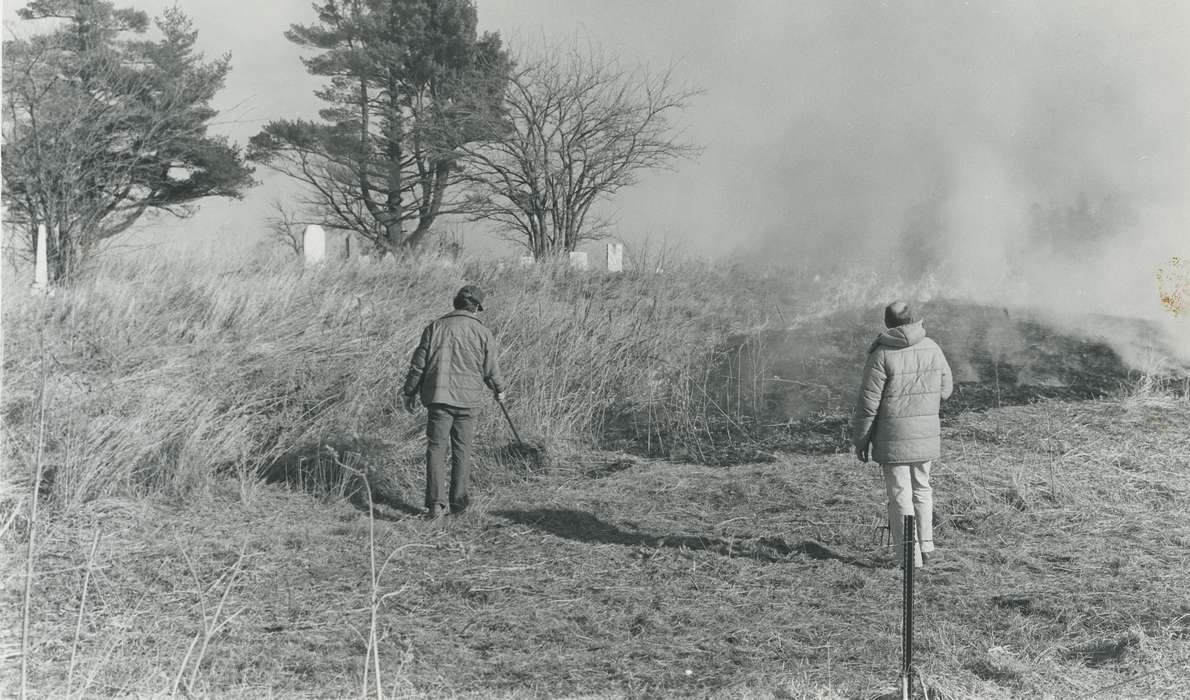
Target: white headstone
[(527, 261), (314, 244), (41, 267), (578, 259), (615, 257)]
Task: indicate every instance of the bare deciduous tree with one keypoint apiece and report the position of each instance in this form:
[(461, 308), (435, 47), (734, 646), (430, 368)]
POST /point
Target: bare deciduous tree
[(579, 127), (286, 227)]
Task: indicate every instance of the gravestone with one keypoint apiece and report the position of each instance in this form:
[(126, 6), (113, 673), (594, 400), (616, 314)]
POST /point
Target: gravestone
[(314, 244), (41, 267), (578, 260), (615, 257), (527, 261)]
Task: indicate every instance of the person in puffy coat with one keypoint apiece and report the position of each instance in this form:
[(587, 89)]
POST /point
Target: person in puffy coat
[(453, 370), (896, 423)]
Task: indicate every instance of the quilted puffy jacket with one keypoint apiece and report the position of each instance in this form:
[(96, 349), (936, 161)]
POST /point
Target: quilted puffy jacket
[(905, 378), (454, 362)]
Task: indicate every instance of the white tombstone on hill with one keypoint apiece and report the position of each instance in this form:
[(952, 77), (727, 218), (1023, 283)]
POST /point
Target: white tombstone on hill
[(41, 266), (314, 244), (615, 257), (578, 259)]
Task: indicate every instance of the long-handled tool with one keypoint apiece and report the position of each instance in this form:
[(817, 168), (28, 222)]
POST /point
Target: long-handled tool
[(532, 455), (510, 424)]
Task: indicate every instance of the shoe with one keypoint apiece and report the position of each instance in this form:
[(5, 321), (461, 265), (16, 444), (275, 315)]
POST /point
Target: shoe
[(435, 511)]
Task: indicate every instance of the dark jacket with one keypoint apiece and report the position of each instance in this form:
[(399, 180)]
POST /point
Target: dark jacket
[(905, 378), (455, 363)]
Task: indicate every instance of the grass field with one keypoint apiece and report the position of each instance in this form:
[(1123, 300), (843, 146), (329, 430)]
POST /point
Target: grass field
[(685, 538)]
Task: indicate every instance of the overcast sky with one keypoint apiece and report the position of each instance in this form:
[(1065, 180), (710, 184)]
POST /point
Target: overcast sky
[(832, 127)]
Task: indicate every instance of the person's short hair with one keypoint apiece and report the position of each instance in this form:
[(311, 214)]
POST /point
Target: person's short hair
[(469, 298), (898, 313)]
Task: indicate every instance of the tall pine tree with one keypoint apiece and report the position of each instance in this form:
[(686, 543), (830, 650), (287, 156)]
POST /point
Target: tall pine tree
[(405, 79)]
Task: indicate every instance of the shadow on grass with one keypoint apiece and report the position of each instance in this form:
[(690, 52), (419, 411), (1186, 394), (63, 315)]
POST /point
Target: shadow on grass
[(407, 509), (585, 527), (338, 469)]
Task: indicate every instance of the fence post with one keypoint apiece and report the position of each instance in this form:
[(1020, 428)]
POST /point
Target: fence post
[(909, 540)]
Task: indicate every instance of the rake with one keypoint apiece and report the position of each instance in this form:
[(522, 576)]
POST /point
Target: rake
[(534, 454)]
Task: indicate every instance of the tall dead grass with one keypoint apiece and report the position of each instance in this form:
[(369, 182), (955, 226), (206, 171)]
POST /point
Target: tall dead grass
[(156, 376)]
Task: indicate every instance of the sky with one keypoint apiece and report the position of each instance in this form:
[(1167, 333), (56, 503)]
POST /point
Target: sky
[(840, 134)]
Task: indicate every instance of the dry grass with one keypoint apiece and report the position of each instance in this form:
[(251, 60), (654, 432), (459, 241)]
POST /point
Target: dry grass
[(154, 379), (168, 565), (761, 580)]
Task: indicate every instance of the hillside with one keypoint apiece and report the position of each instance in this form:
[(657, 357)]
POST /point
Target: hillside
[(675, 543)]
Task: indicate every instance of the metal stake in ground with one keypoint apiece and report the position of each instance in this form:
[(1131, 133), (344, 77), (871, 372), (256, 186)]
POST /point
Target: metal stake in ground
[(908, 539)]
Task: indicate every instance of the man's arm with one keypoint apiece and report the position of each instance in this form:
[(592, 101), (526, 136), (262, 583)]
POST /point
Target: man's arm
[(868, 404), (491, 365), (417, 365)]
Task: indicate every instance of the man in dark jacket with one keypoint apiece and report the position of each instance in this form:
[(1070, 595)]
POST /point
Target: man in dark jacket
[(896, 420), (453, 370)]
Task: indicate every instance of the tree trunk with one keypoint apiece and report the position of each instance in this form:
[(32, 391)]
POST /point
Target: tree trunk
[(415, 239), (394, 233), (60, 255), (394, 230)]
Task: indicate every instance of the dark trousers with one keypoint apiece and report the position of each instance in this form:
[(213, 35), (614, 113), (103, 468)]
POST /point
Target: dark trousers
[(448, 425)]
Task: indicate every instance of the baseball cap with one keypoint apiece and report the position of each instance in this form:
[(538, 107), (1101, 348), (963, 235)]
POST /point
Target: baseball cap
[(472, 292)]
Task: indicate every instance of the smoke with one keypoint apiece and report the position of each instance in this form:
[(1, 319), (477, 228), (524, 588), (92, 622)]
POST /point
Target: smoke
[(1030, 154)]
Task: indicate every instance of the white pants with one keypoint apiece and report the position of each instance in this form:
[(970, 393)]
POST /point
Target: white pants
[(909, 493)]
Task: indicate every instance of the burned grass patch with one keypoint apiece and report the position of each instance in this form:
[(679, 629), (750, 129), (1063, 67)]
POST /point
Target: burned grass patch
[(791, 390), (1000, 358)]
